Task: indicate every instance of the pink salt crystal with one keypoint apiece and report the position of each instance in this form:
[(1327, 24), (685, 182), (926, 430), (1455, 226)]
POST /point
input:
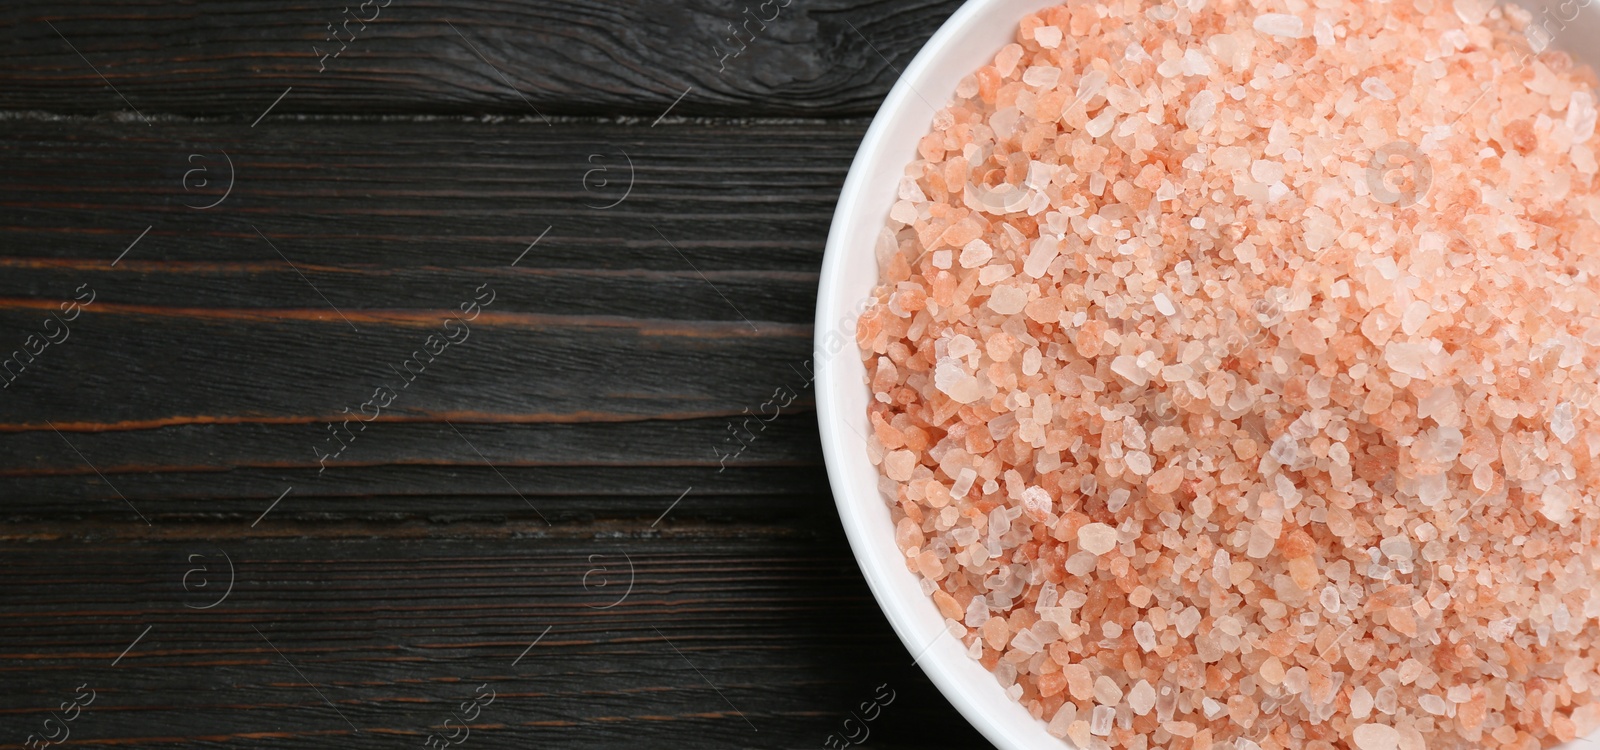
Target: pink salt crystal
[(1078, 732), (1064, 717), (897, 465)]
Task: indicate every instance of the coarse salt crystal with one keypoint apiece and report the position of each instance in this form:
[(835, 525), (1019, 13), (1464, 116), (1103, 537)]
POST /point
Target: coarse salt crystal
[(1048, 37), (1097, 538), (1280, 24), (1375, 737), (1041, 77), (1377, 88), (1164, 305), (1007, 300), (976, 253)]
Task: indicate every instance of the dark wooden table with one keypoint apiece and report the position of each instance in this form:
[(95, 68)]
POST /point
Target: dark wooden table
[(270, 479)]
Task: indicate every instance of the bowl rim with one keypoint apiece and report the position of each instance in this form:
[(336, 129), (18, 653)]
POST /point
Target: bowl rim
[(970, 688)]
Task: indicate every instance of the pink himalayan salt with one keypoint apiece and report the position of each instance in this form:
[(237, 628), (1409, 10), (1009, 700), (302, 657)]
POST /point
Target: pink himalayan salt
[(1172, 273)]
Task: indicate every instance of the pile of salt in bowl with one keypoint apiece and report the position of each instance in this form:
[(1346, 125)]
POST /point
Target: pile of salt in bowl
[(1234, 373)]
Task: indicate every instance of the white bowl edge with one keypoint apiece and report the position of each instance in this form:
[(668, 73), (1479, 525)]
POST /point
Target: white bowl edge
[(966, 42)]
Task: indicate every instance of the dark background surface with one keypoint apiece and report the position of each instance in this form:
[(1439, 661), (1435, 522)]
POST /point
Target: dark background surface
[(543, 510)]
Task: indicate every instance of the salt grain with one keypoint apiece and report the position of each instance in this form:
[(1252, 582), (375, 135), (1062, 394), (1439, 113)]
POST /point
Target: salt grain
[(1280, 24), (1097, 538), (1375, 737), (1377, 88)]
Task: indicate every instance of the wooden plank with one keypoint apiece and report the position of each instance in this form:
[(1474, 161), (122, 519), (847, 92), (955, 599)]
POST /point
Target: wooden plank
[(611, 370), (345, 200), (397, 633), (542, 60)]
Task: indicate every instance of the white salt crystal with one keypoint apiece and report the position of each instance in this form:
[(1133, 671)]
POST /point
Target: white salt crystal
[(1201, 109), (1026, 642), (1007, 300), (1415, 315), (1361, 702), (977, 612), (1561, 425), (1164, 305), (1431, 703), (1127, 368), (1041, 76), (1280, 24), (1556, 503), (1106, 690), (963, 485), (1142, 698), (942, 258), (954, 381), (1145, 635), (1266, 170), (1097, 538), (1376, 737), (1406, 358), (1101, 124), (1100, 720), (1284, 450), (961, 345), (1377, 88), (1196, 64), (1048, 37), (1581, 114), (1433, 489), (1044, 252), (976, 253), (1329, 599), (1472, 12), (1039, 176), (1037, 500), (1323, 31), (1187, 621), (1091, 84), (910, 190)]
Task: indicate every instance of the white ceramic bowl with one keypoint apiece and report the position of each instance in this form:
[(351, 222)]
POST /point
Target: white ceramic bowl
[(966, 42)]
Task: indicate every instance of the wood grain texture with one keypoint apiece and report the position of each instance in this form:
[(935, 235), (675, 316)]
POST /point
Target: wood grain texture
[(546, 59), (620, 361), (395, 634)]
